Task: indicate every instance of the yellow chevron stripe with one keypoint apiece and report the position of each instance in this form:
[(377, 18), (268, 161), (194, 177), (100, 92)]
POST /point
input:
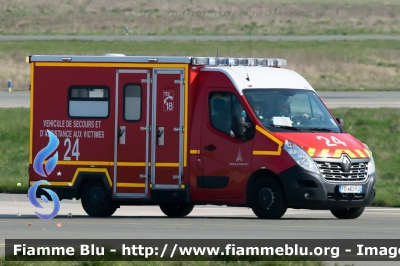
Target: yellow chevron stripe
[(350, 153), (337, 153), (362, 155), (311, 151), (324, 153)]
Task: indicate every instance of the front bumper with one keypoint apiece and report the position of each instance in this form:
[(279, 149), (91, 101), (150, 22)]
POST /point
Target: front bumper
[(308, 190)]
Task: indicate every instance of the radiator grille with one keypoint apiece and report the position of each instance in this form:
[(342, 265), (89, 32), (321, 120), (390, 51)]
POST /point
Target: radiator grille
[(333, 172)]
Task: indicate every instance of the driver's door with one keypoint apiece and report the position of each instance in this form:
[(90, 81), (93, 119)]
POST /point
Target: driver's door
[(227, 160)]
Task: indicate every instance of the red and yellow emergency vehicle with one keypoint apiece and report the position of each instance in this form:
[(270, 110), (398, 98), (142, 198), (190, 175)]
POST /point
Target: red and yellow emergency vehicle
[(183, 131)]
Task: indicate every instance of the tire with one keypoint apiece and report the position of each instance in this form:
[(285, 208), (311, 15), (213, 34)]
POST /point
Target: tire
[(268, 199), (95, 200), (176, 210), (349, 213)]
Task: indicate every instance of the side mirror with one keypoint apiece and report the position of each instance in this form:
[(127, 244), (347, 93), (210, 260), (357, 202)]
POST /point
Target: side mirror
[(240, 128), (341, 124), (340, 121)]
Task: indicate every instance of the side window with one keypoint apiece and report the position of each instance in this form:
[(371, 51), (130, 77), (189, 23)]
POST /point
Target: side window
[(221, 111), (224, 106), (88, 101), (132, 102)]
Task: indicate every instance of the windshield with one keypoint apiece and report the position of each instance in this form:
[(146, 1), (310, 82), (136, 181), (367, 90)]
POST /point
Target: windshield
[(290, 110)]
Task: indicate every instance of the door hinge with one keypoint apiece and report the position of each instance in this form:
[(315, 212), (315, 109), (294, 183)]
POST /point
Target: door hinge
[(147, 80), (179, 81), (176, 177)]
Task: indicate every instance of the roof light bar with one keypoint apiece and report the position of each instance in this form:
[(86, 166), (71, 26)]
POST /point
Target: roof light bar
[(223, 62), (243, 61), (263, 62), (253, 62), (215, 61), (200, 61)]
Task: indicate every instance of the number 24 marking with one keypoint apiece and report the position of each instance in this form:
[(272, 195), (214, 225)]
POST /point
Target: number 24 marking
[(334, 140), (75, 149)]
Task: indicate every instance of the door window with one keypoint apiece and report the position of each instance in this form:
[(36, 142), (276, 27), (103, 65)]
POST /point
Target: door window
[(224, 108), (132, 102)]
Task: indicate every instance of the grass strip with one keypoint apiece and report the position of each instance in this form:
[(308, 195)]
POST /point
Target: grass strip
[(188, 17), (331, 65)]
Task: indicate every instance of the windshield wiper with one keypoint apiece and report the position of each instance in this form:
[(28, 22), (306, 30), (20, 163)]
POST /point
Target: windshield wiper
[(287, 127), (321, 129)]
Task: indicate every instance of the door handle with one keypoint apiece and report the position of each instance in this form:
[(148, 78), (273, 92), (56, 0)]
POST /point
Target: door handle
[(210, 147), (121, 134)]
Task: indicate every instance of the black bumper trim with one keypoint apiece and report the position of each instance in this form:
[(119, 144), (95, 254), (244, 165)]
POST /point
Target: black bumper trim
[(308, 190)]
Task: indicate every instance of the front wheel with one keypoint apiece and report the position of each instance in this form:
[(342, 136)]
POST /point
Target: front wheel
[(349, 213), (176, 210), (95, 200), (268, 200)]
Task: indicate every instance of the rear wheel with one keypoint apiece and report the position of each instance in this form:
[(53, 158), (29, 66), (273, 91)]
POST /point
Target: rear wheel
[(349, 213), (95, 200), (176, 209), (268, 199)]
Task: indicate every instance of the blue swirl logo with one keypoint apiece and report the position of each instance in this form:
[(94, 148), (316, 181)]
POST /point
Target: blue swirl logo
[(32, 198), (49, 166), (44, 153)]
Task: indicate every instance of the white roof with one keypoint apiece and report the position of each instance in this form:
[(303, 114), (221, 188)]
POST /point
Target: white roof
[(262, 77)]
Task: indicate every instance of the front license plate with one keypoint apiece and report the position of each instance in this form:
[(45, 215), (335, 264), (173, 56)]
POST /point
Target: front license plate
[(350, 189)]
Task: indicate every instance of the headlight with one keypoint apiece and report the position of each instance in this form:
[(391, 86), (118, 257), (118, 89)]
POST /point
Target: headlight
[(371, 164), (301, 157)]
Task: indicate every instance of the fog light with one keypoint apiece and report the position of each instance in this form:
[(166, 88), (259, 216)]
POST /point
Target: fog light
[(307, 195)]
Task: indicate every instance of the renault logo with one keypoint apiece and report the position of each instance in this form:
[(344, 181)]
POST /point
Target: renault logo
[(346, 164)]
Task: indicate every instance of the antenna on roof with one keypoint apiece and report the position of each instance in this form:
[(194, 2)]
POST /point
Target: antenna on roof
[(248, 78), (264, 50), (250, 42)]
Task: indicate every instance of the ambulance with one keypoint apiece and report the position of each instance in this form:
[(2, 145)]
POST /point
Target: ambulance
[(178, 131)]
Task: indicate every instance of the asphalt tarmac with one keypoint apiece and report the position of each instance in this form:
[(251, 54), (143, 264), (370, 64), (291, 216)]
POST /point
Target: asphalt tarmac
[(18, 221)]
